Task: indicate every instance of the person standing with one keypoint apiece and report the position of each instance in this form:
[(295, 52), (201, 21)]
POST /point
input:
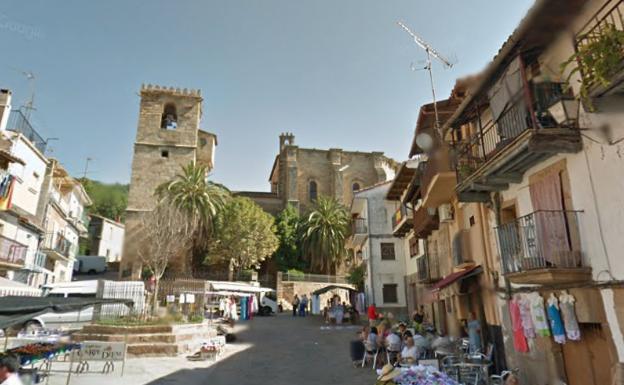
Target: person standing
[(9, 368), (295, 305), (303, 306), (372, 314), (473, 328)]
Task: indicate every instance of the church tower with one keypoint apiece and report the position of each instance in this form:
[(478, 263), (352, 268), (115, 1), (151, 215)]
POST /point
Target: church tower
[(168, 137)]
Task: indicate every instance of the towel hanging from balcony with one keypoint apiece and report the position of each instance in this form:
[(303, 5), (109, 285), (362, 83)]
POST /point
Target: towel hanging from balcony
[(7, 183)]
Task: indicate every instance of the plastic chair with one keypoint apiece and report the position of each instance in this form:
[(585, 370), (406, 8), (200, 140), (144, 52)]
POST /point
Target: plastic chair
[(370, 350), (392, 353)]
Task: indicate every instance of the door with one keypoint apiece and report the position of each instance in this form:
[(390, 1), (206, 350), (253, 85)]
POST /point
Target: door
[(548, 226), (588, 361)]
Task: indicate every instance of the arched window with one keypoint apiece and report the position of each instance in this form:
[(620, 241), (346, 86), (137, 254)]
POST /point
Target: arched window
[(355, 186), (169, 120), (313, 190)]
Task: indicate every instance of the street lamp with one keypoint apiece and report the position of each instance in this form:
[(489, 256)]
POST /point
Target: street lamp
[(565, 111)]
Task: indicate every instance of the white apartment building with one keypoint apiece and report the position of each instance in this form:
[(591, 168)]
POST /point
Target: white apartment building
[(375, 244), (106, 238)]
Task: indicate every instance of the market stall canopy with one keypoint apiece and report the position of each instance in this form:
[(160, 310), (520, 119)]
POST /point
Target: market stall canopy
[(456, 276), (333, 287), (9, 287), (15, 310), (240, 287)]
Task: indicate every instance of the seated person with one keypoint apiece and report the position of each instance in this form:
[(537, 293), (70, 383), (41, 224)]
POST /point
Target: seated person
[(402, 329), (393, 342), (364, 333), (409, 354), (371, 339)]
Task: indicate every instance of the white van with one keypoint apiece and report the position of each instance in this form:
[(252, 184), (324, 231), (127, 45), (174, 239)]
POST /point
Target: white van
[(134, 290), (90, 264)]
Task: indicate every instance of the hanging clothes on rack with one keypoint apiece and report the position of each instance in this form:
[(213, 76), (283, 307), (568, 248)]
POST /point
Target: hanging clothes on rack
[(538, 315), (566, 305), (556, 324), (525, 315), (520, 343), (243, 306)]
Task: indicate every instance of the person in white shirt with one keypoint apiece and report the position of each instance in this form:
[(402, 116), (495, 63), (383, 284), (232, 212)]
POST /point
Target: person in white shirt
[(9, 366), (393, 342), (409, 354)]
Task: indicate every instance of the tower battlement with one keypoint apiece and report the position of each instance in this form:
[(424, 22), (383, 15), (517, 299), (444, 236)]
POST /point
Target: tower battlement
[(153, 88)]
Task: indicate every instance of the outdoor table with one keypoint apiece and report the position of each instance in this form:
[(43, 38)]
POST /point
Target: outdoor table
[(483, 365)]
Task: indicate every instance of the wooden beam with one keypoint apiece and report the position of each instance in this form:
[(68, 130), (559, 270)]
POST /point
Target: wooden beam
[(479, 197), (488, 186)]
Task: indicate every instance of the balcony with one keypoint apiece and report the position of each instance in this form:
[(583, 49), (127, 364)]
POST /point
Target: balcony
[(18, 123), (359, 232), (12, 253), (505, 147), (462, 253), (438, 180), (543, 248), (57, 246), (402, 221), (608, 18), (428, 270), (39, 265), (425, 221)]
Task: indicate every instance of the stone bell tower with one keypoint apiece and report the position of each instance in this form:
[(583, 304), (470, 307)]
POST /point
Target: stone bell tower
[(168, 137)]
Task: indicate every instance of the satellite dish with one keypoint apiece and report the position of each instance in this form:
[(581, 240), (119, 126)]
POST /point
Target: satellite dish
[(424, 141)]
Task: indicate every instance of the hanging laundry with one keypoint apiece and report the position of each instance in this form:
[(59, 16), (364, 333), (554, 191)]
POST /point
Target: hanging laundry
[(520, 343), (566, 305), (525, 314), (556, 324), (243, 306), (6, 192), (538, 315)]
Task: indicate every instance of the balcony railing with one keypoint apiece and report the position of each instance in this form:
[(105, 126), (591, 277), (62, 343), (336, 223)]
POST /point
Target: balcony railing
[(39, 264), (18, 123), (427, 268), (541, 240), (402, 220), (12, 252), (59, 244), (359, 227)]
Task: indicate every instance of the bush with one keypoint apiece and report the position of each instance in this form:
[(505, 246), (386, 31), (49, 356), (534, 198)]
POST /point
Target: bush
[(296, 273)]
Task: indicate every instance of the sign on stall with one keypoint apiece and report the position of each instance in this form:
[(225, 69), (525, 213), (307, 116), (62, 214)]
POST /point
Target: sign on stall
[(101, 351)]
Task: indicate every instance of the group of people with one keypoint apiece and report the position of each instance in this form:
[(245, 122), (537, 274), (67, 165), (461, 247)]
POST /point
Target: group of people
[(400, 343), (338, 311), (300, 305)]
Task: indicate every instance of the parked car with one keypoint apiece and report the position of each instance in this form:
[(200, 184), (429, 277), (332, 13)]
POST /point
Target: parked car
[(268, 304), (90, 264), (134, 290)]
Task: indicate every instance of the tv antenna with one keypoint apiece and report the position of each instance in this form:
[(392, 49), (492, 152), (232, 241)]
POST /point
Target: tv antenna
[(430, 52), (30, 104)]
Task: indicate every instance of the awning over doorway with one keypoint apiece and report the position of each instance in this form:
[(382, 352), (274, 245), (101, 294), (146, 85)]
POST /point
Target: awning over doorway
[(457, 276), (333, 287)]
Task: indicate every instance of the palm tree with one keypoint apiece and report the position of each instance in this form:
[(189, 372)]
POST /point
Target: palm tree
[(325, 231), (198, 198)]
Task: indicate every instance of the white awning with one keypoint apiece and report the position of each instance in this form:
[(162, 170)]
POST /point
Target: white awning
[(240, 287)]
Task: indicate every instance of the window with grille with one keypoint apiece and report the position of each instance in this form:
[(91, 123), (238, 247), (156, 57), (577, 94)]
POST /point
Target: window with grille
[(387, 251), (313, 190), (390, 293)]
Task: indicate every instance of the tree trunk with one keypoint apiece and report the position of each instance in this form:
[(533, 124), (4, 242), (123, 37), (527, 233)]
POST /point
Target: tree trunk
[(231, 270), (155, 299)]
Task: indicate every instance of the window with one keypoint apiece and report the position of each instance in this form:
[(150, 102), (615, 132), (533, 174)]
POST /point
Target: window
[(169, 120), (471, 220), (414, 246), (164, 153), (355, 187), (313, 190), (390, 293), (387, 251)]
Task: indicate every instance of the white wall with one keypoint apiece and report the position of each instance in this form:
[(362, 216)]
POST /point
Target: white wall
[(111, 241), (29, 177)]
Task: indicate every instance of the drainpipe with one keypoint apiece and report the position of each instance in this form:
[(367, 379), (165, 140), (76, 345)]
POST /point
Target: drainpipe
[(370, 254)]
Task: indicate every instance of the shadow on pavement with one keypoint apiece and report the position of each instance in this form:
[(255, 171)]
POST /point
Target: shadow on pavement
[(282, 350)]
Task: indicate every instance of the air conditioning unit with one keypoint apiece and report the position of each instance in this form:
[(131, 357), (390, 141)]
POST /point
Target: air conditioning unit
[(445, 212)]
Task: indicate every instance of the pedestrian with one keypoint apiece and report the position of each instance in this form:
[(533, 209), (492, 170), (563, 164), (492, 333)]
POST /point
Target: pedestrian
[(473, 328), (372, 314), (303, 305), (295, 305), (9, 367)]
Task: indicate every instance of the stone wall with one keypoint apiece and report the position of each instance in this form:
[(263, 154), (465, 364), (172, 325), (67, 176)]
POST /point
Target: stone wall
[(286, 291)]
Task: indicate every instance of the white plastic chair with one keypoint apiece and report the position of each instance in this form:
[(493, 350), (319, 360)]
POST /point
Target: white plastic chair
[(370, 350)]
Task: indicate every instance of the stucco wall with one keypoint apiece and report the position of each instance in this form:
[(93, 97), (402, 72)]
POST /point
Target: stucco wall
[(30, 176)]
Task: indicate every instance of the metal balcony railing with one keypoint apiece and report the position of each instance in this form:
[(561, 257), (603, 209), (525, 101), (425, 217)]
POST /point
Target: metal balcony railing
[(12, 251), (428, 267), (541, 240), (358, 226), (401, 215), (58, 243), (18, 123)]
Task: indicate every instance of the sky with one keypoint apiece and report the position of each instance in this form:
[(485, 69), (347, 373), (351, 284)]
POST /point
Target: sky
[(335, 73)]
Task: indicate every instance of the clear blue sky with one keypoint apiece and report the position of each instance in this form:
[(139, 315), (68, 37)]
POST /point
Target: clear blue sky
[(336, 73)]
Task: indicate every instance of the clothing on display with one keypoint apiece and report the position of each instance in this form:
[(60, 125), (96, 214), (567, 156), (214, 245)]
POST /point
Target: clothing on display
[(556, 324), (538, 315), (566, 305), (520, 343), (244, 309), (525, 315), (7, 183)]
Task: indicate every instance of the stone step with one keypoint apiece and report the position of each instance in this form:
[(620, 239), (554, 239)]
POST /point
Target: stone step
[(154, 350), (130, 338)]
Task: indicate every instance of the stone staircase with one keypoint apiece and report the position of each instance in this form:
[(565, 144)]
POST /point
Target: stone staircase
[(151, 340)]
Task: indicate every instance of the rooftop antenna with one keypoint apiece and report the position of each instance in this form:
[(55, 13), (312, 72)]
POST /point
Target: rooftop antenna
[(86, 169), (430, 52), (30, 104)]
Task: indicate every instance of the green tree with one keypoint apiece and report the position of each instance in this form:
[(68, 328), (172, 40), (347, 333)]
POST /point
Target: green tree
[(326, 229), (244, 235), (288, 227), (356, 276), (109, 200), (199, 199)]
